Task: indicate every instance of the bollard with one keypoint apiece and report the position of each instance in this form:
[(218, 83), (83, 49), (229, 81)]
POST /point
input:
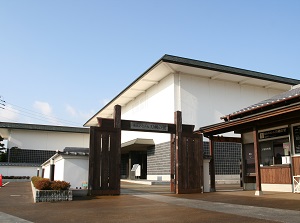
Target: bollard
[(0, 180)]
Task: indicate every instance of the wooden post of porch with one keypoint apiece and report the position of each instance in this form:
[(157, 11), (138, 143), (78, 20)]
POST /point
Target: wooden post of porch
[(212, 165), (258, 190)]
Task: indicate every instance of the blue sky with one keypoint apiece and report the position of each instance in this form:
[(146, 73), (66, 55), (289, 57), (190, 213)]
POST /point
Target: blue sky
[(67, 58)]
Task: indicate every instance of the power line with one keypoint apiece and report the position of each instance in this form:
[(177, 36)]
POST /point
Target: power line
[(33, 114)]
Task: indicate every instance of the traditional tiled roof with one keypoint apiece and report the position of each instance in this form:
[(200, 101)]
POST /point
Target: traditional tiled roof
[(20, 164), (11, 125), (76, 149), (275, 101)]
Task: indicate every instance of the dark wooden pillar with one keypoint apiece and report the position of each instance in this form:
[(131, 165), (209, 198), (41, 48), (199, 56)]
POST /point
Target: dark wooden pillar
[(212, 165), (257, 163), (115, 164), (178, 156), (172, 171), (94, 160)]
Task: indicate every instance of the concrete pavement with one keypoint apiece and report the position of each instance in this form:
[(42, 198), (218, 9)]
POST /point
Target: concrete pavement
[(144, 203)]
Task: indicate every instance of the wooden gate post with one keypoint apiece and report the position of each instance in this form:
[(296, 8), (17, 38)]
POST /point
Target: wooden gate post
[(173, 163), (178, 150), (105, 157), (116, 163)]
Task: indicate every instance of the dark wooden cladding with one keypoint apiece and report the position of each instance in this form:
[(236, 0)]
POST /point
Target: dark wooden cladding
[(276, 174), (91, 182), (189, 161), (106, 123), (190, 173), (103, 160), (296, 165), (105, 154)]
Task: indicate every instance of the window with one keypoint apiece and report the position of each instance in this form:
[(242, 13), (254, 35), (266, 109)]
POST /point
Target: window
[(296, 135), (275, 152)]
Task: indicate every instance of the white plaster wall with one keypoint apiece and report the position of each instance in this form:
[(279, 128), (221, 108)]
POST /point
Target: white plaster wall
[(18, 171), (76, 171), (156, 105), (204, 101), (72, 169), (59, 168), (47, 170), (46, 140)]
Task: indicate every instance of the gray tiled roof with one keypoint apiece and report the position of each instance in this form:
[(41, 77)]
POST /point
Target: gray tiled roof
[(295, 92), (228, 69), (12, 125), (20, 164), (75, 151)]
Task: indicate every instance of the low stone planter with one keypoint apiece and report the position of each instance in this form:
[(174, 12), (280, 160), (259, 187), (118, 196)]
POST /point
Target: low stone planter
[(79, 192), (51, 195)]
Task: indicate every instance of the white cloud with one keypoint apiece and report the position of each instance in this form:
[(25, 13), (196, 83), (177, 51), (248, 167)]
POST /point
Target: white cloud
[(43, 107), (9, 114), (87, 115), (78, 115), (71, 111)]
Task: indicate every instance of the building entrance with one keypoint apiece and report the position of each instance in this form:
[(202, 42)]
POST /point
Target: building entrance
[(105, 168)]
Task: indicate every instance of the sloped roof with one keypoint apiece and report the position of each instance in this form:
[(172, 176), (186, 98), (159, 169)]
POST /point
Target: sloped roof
[(172, 64), (12, 125)]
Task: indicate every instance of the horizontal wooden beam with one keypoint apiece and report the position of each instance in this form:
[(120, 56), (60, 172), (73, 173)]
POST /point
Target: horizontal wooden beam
[(225, 139), (142, 126), (279, 114)]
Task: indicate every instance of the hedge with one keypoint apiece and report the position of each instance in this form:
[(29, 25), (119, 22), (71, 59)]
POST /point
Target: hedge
[(15, 177), (45, 184)]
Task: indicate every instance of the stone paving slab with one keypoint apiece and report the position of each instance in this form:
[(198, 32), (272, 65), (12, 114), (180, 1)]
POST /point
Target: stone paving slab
[(16, 200), (6, 218), (273, 214)]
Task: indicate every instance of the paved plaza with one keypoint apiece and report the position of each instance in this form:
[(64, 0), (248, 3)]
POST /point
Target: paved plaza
[(151, 203)]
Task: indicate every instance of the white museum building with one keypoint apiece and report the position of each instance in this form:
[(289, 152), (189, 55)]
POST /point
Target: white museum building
[(203, 92), (29, 145)]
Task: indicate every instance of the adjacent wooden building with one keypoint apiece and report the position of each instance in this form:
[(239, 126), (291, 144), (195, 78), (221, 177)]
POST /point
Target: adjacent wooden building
[(270, 136)]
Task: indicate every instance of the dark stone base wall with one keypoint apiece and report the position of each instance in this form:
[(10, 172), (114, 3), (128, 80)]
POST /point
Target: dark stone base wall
[(227, 158), (158, 159)]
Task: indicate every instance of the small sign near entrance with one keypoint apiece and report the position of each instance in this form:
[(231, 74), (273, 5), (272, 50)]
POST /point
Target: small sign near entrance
[(144, 126), (273, 133)]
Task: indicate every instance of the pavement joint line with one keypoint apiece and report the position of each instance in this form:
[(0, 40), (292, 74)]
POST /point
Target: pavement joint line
[(6, 218), (274, 214), (3, 185)]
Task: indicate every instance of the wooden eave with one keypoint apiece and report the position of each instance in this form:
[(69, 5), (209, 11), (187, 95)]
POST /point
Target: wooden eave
[(283, 115)]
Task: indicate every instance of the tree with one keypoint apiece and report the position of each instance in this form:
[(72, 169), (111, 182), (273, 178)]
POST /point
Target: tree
[(3, 154), (1, 144)]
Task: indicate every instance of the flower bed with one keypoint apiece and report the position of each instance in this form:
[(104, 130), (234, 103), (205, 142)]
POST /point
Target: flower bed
[(42, 192)]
